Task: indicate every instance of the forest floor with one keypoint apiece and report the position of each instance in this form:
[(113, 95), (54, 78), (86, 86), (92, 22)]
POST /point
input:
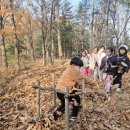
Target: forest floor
[(18, 102)]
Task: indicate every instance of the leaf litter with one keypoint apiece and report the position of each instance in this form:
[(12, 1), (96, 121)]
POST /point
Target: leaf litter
[(18, 103)]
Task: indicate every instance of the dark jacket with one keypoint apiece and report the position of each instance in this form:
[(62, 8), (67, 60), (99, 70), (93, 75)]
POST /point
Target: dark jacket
[(124, 59), (108, 65)]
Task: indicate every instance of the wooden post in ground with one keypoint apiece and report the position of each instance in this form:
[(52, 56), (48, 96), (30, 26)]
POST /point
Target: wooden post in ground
[(54, 92), (38, 100), (67, 109), (83, 95)]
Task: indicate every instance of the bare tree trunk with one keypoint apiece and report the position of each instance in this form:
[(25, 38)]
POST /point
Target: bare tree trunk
[(107, 6), (92, 43), (47, 54), (116, 24), (43, 35), (58, 28), (30, 37), (31, 47), (31, 41), (51, 36), (2, 42), (43, 45), (16, 40), (52, 42), (3, 51), (82, 45), (16, 46)]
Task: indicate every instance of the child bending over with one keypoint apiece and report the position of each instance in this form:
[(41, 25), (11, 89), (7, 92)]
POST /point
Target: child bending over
[(70, 78)]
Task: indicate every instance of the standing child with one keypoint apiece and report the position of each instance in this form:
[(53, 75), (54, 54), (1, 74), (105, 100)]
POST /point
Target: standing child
[(123, 65), (108, 67), (86, 64), (94, 62), (70, 78), (101, 54)]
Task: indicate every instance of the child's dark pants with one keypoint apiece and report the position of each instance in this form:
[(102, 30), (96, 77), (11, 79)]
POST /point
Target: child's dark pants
[(61, 108), (118, 79)]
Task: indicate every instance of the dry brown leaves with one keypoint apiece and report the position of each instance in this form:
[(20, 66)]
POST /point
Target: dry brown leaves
[(18, 104)]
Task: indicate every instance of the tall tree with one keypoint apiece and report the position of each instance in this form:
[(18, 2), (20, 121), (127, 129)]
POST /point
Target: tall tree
[(56, 3), (52, 33), (16, 40), (27, 22), (82, 22), (67, 32), (3, 16), (119, 22)]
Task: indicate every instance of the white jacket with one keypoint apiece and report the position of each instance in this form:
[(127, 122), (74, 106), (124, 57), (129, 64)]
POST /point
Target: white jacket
[(100, 56)]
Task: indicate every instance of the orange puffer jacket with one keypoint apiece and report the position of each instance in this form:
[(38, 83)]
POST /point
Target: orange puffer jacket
[(70, 77)]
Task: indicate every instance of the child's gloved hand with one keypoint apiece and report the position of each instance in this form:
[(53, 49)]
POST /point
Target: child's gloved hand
[(77, 86), (76, 89)]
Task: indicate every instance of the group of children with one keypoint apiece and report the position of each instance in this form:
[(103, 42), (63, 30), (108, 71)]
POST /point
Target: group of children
[(93, 62), (105, 65)]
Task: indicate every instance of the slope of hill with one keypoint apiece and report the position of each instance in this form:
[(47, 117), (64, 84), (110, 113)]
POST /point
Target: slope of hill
[(18, 103)]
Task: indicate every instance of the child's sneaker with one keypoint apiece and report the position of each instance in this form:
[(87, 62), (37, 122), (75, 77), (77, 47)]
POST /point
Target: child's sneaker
[(118, 90), (73, 118), (51, 117), (55, 116), (114, 87)]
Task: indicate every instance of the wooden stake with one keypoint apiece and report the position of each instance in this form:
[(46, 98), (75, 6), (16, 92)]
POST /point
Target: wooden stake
[(54, 92), (67, 109), (38, 100), (83, 95)]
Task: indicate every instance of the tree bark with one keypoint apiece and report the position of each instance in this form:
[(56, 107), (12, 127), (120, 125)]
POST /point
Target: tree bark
[(43, 46), (107, 5), (31, 47), (58, 28), (92, 43), (16, 40), (51, 36), (2, 43), (43, 35), (3, 52)]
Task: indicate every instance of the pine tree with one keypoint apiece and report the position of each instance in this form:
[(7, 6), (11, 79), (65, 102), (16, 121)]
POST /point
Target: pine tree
[(67, 32)]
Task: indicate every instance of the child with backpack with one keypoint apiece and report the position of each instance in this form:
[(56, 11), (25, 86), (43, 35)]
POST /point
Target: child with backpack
[(123, 65)]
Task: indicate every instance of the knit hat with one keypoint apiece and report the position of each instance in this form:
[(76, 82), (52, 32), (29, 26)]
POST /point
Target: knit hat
[(124, 47)]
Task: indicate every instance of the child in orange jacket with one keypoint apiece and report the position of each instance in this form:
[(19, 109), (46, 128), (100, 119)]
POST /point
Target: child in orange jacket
[(70, 78)]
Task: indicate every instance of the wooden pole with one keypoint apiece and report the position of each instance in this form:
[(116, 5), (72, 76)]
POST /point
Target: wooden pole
[(54, 92), (83, 95), (67, 109), (38, 100)]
